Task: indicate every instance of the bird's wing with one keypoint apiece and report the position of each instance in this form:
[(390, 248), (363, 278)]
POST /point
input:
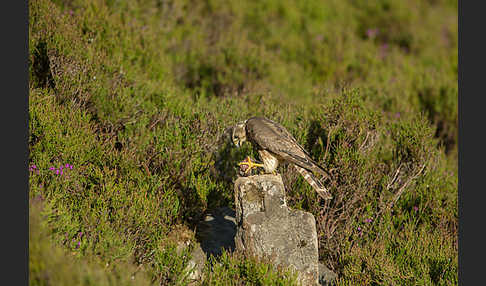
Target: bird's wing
[(272, 136)]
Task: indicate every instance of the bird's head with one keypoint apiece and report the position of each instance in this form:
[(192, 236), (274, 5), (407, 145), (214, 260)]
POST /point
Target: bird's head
[(239, 134)]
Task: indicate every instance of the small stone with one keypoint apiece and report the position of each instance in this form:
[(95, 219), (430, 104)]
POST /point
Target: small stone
[(326, 276), (195, 265)]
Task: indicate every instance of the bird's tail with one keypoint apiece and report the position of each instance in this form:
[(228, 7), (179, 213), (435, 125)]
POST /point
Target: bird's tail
[(314, 182)]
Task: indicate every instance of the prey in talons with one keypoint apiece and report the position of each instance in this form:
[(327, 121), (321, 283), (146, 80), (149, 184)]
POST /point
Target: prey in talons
[(247, 165)]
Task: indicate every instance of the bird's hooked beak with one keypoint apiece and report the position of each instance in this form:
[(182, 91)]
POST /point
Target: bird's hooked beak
[(238, 144)]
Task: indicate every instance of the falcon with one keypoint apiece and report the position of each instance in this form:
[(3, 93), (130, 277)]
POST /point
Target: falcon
[(276, 145)]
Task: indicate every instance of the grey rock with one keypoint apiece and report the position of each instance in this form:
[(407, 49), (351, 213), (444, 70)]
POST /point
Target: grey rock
[(267, 228), (217, 231), (195, 265), (214, 233), (326, 276)]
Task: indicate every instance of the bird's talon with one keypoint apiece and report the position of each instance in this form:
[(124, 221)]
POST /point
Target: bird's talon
[(250, 164)]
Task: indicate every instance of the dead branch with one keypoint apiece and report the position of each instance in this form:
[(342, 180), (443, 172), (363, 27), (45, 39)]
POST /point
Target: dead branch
[(327, 144), (364, 142), (402, 188), (388, 186)]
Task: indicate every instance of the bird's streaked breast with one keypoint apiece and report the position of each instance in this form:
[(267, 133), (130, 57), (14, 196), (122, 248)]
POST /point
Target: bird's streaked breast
[(269, 161)]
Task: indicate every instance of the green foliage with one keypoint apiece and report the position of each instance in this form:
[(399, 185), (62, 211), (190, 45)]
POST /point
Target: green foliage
[(52, 264), (232, 269), (138, 96)]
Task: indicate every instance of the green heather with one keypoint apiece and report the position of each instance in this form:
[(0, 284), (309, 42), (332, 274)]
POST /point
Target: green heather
[(135, 97)]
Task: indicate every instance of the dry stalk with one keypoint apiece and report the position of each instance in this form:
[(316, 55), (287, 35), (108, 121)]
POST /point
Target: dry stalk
[(327, 143), (388, 186), (402, 188), (364, 142), (397, 195)]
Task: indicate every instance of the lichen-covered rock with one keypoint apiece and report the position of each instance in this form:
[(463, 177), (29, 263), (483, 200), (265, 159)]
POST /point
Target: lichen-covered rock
[(267, 228)]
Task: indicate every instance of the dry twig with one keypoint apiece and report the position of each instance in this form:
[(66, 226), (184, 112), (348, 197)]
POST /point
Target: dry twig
[(388, 186), (402, 188)]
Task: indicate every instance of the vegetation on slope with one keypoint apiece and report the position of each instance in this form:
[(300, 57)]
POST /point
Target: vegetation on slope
[(133, 100)]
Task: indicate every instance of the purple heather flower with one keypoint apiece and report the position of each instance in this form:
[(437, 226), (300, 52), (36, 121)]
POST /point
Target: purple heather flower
[(79, 244), (397, 115), (57, 172), (368, 220), (383, 50), (38, 198), (52, 168), (371, 33), (415, 208), (359, 228)]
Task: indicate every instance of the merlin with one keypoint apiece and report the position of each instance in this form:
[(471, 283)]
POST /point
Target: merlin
[(276, 145)]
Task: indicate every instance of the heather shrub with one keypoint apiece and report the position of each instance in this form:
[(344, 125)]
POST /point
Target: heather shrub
[(131, 106)]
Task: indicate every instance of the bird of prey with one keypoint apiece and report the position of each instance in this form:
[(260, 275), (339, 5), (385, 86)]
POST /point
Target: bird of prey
[(276, 145)]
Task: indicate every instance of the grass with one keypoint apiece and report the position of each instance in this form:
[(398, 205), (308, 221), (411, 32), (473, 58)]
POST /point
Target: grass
[(137, 96)]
